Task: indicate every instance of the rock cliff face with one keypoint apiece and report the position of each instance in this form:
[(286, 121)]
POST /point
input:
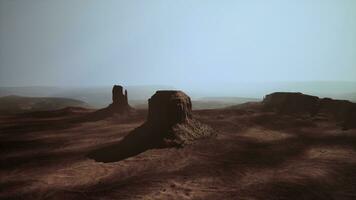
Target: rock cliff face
[(117, 95), (171, 121), (342, 110), (288, 102), (119, 100), (169, 107), (350, 119), (118, 108), (337, 108), (296, 103)]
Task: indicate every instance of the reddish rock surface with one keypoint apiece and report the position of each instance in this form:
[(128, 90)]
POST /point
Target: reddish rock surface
[(169, 108), (119, 100), (170, 115), (295, 103), (289, 102), (170, 123), (119, 107), (117, 95), (258, 155)]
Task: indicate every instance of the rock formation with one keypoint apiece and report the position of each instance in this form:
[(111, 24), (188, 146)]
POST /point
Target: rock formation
[(170, 117), (119, 106), (342, 110), (337, 108), (170, 123), (290, 102), (350, 119), (119, 100), (117, 96), (297, 103), (166, 108)]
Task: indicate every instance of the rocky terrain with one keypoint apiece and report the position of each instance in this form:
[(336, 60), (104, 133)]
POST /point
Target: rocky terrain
[(169, 123), (342, 111), (259, 152)]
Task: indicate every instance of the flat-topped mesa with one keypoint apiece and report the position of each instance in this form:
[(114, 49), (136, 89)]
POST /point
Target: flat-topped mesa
[(170, 122), (342, 110), (167, 107), (291, 102), (119, 100), (296, 103)]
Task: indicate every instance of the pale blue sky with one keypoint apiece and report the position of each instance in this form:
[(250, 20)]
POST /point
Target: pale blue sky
[(182, 43)]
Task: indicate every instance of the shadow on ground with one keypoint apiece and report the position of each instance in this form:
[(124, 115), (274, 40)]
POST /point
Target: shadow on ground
[(139, 140), (317, 161)]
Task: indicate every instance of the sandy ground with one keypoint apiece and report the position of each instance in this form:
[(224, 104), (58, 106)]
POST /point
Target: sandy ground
[(256, 155)]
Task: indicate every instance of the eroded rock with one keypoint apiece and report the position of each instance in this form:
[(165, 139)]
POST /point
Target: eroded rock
[(296, 103), (170, 123), (170, 118), (169, 107), (119, 107), (119, 100), (291, 102)]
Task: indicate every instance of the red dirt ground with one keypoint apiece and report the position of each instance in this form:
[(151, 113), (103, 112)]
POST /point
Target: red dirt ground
[(256, 155)]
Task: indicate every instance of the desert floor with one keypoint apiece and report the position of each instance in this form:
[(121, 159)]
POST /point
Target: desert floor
[(256, 155)]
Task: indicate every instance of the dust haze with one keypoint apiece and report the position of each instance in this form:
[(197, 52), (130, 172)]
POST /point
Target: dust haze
[(177, 99)]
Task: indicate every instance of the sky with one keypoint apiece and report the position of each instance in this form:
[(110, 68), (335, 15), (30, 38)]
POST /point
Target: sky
[(181, 43)]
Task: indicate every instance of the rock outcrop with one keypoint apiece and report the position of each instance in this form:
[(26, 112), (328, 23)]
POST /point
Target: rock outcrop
[(119, 100), (170, 123), (290, 102), (166, 108), (117, 95), (297, 103), (342, 110), (350, 119), (337, 108), (119, 107), (171, 120)]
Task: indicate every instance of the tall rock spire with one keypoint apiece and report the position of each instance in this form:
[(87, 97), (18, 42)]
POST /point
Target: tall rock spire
[(120, 102)]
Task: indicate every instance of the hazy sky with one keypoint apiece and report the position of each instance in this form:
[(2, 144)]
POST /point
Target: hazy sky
[(182, 43)]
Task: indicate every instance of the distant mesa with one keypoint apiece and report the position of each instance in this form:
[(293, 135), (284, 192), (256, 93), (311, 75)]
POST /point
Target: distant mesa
[(19, 104), (119, 100), (342, 110), (170, 123), (119, 106), (293, 103)]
